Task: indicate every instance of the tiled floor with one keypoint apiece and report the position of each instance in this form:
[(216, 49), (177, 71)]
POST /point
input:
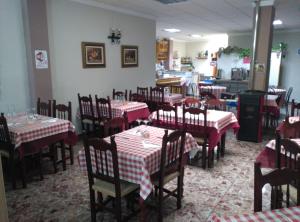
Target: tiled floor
[(225, 189)]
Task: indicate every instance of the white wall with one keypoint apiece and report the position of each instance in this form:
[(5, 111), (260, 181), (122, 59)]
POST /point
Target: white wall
[(14, 90), (212, 45), (289, 66), (69, 24), (290, 74)]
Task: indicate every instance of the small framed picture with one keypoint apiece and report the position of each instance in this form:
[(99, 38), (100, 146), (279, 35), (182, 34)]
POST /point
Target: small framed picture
[(93, 55), (129, 56)]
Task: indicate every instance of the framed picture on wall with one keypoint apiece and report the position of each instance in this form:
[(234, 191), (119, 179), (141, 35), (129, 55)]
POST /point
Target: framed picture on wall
[(129, 56), (93, 55)]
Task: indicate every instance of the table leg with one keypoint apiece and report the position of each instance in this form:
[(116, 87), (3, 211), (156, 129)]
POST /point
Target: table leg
[(223, 139), (143, 210), (63, 154)]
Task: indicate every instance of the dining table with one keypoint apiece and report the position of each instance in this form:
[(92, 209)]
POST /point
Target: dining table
[(291, 214), (139, 155), (170, 98), (218, 123), (134, 110), (267, 156), (30, 133), (216, 90)]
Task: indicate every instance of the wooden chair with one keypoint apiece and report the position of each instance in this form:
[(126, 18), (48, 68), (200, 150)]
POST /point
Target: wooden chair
[(216, 104), (171, 167), (116, 125), (197, 126), (166, 116), (104, 112), (276, 178), (192, 102), (290, 156), (87, 115), (43, 108), (63, 111), (104, 178), (119, 95), (8, 151), (287, 100), (295, 110), (137, 97), (156, 97), (143, 91), (178, 89)]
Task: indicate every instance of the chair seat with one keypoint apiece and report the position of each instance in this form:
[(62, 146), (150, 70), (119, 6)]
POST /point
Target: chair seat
[(199, 140), (108, 189), (167, 178)]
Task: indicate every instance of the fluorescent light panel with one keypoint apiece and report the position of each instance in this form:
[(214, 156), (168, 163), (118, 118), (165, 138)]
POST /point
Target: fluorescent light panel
[(277, 22), (172, 30)]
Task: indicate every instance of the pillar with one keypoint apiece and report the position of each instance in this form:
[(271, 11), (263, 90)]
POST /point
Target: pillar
[(262, 44)]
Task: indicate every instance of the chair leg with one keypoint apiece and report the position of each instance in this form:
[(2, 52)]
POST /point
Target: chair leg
[(160, 205), (54, 157), (93, 206), (204, 157), (40, 165), (12, 172), (179, 190), (23, 172), (118, 208), (71, 154)]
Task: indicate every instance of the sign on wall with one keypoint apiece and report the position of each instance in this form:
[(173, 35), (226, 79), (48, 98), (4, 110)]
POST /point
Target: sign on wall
[(41, 59)]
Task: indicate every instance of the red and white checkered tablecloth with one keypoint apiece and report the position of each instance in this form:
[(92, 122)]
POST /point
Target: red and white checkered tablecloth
[(215, 118), (23, 130), (291, 214), (138, 157), (119, 107), (270, 101), (216, 90), (173, 98)]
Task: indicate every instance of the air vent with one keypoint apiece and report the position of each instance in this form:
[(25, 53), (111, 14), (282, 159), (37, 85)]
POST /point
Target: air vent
[(166, 2)]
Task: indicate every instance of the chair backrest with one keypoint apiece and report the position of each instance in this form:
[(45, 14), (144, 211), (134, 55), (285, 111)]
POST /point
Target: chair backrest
[(86, 107), (288, 152), (288, 95), (62, 111), (43, 108), (216, 104), (192, 102), (120, 95), (178, 89), (295, 110), (195, 121), (143, 91), (166, 116), (157, 94), (137, 97), (5, 141), (106, 166), (276, 178), (116, 125), (103, 107), (172, 151)]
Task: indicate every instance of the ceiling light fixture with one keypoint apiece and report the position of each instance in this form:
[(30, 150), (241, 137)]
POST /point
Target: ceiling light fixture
[(277, 22), (196, 36), (172, 30)]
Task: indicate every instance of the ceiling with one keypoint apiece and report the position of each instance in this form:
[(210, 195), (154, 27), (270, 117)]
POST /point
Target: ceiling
[(205, 17)]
